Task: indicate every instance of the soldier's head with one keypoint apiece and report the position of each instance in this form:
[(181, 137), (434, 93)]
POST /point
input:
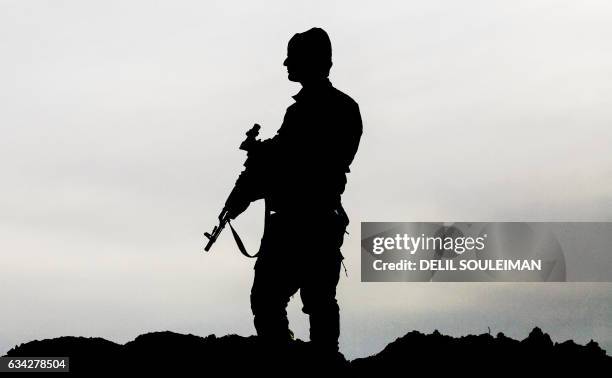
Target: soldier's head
[(309, 56)]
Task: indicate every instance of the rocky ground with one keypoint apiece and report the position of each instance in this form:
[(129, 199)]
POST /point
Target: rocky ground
[(433, 354)]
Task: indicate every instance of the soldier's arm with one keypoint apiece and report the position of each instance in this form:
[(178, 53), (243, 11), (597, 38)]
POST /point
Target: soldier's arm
[(355, 130), (341, 143), (252, 182), (247, 188), (259, 170)]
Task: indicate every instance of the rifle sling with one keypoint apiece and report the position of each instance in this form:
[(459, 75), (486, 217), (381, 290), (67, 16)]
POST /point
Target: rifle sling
[(239, 243)]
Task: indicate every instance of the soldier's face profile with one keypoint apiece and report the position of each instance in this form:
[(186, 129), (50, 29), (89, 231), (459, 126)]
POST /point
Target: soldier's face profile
[(307, 59), (293, 64)]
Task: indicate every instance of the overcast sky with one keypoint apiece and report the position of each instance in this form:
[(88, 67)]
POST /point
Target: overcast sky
[(120, 122)]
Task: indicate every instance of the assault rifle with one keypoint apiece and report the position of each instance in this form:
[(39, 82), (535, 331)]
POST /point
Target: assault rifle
[(246, 145)]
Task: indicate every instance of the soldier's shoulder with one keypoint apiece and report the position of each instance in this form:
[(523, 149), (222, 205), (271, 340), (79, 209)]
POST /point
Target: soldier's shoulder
[(343, 97), (293, 107)]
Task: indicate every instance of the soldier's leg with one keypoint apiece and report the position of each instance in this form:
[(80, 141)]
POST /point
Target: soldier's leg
[(318, 295), (270, 294)]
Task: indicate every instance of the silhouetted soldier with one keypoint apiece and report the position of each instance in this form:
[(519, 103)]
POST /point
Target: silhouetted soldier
[(301, 174)]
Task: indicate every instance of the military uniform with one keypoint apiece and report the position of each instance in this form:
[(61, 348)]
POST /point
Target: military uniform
[(301, 175)]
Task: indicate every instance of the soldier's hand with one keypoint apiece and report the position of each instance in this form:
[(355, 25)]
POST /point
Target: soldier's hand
[(236, 205), (236, 209)]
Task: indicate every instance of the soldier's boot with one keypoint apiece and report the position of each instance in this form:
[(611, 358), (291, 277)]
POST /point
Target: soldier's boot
[(324, 325)]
